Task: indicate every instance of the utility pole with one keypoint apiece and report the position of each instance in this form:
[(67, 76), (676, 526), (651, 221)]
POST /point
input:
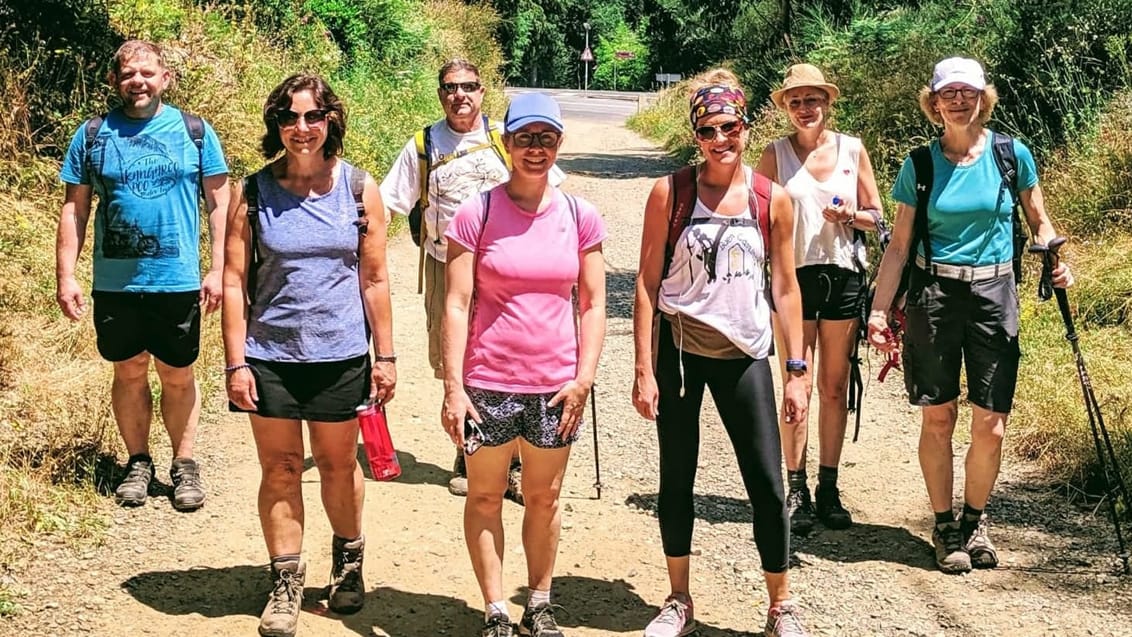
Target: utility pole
[(587, 56)]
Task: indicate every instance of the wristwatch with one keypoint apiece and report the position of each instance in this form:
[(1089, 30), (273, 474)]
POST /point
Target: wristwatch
[(796, 365), (383, 358)]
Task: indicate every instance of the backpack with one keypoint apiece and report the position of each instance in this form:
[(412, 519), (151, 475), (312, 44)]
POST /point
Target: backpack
[(193, 124), (357, 179)]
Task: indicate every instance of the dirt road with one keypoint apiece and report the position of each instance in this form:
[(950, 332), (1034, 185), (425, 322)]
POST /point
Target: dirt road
[(163, 573)]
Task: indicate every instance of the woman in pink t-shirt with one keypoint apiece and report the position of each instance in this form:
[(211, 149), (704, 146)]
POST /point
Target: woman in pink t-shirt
[(519, 360)]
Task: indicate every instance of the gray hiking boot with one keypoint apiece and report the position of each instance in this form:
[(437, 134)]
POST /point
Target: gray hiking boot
[(785, 620), (979, 547), (498, 626), (347, 589), (458, 484), (134, 488), (281, 616), (950, 554), (800, 509), (675, 619), (515, 482), (188, 494)]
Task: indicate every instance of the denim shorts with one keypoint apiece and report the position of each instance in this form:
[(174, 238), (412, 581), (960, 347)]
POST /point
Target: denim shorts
[(508, 415), (952, 322)]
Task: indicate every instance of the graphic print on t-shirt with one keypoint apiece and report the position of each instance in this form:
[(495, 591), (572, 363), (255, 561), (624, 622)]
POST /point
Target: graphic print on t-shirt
[(149, 170), (468, 176), (739, 255)]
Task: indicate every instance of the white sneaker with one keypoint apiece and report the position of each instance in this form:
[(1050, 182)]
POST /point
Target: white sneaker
[(675, 618)]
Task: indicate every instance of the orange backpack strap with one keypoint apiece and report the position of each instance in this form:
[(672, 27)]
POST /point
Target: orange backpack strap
[(683, 191), (760, 207)]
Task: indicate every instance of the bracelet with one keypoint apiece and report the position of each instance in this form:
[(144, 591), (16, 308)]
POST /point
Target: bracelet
[(795, 365), (851, 219), (232, 368), (382, 358)]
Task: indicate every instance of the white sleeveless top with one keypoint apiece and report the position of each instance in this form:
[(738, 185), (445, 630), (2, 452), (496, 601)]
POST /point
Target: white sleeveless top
[(717, 277), (817, 241)]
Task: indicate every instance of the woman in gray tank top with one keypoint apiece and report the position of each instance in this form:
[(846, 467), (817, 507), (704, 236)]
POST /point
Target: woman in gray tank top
[(305, 284)]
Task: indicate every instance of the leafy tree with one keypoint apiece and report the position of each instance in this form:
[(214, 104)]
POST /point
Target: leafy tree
[(611, 72)]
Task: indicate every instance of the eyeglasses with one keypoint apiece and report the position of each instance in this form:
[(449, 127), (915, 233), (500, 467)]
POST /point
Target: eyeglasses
[(316, 117), (467, 87), (808, 102), (545, 139), (967, 92), (729, 129)]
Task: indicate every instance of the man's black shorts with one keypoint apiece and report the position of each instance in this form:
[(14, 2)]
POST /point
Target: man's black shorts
[(829, 292), (953, 322), (165, 324)]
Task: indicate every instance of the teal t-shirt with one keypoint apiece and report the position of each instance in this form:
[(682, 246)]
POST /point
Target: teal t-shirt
[(146, 176), (964, 227)]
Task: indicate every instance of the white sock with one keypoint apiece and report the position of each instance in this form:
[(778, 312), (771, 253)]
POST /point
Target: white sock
[(496, 608), (538, 598)]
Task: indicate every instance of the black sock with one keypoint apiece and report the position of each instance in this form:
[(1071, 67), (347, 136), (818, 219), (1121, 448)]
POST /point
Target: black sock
[(944, 517), (827, 476), (796, 480), (971, 516)]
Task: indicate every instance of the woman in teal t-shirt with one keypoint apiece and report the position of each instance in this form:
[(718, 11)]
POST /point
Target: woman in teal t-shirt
[(962, 303)]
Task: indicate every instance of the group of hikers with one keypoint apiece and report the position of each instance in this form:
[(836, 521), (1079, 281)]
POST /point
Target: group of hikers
[(736, 263)]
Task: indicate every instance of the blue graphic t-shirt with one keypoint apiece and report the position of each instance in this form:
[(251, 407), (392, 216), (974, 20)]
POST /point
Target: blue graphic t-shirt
[(146, 175), (964, 226)]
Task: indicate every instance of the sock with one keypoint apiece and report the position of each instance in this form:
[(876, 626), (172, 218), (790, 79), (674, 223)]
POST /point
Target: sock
[(496, 608), (971, 516), (538, 598), (796, 479), (289, 561), (944, 517), (827, 476)]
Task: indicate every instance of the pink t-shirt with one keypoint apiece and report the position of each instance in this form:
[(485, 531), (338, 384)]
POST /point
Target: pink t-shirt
[(522, 337)]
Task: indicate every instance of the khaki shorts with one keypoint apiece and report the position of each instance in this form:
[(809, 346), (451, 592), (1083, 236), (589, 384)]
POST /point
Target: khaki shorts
[(434, 293)]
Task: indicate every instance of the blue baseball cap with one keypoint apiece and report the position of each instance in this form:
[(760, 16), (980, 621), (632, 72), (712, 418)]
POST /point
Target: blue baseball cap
[(528, 108)]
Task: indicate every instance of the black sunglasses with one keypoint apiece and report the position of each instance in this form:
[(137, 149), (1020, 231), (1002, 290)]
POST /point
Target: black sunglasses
[(545, 139), (467, 87), (709, 133), (950, 93), (290, 118)]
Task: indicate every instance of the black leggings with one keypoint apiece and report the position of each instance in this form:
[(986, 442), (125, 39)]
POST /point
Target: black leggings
[(744, 395)]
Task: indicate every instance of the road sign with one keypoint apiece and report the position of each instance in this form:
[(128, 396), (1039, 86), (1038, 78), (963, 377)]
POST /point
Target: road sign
[(624, 55), (587, 55)]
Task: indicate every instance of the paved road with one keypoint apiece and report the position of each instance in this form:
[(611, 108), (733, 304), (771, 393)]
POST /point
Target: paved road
[(604, 107)]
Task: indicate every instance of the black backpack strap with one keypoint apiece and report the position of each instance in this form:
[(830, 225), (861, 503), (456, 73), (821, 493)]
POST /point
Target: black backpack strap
[(1007, 162), (357, 189), (925, 175), (91, 131), (195, 127), (251, 196)]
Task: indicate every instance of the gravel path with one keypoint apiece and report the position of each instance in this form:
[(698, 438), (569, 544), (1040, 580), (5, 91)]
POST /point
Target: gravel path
[(163, 573)]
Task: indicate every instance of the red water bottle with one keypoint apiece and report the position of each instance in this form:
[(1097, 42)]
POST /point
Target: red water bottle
[(382, 456)]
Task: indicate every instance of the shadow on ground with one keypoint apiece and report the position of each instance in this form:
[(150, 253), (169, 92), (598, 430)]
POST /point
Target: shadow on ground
[(412, 470), (210, 592), (620, 288), (616, 165)]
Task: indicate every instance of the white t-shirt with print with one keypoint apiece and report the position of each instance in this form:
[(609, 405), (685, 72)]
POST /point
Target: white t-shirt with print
[(450, 182)]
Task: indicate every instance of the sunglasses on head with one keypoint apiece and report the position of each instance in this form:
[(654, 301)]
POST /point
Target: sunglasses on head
[(467, 87), (729, 129), (950, 93), (546, 139), (290, 118)]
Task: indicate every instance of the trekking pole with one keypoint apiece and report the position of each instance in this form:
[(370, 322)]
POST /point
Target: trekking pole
[(597, 461), (1106, 455)]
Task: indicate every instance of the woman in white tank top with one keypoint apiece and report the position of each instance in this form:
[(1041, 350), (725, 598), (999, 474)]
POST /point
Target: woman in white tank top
[(829, 178)]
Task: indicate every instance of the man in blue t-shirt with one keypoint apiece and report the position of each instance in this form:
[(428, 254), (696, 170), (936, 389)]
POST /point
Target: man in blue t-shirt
[(148, 163)]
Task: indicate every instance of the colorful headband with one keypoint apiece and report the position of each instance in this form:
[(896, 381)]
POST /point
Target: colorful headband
[(716, 99)]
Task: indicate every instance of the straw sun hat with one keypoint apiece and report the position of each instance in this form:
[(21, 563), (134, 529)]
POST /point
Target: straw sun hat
[(801, 75)]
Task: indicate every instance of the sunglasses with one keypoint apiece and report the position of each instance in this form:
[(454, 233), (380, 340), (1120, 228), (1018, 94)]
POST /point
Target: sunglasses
[(808, 102), (312, 118), (950, 93), (467, 87), (709, 133), (546, 139), (473, 436)]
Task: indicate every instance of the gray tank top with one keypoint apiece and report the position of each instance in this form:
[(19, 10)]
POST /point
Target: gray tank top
[(308, 303)]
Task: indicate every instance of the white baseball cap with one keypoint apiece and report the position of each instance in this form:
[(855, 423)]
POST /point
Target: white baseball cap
[(962, 70)]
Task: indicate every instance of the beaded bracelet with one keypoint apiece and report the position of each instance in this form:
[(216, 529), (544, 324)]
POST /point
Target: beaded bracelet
[(233, 368)]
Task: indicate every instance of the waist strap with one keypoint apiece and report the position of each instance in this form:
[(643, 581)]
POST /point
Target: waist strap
[(965, 272)]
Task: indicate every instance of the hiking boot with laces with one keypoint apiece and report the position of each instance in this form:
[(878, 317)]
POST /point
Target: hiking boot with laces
[(497, 626), (515, 483), (188, 495), (950, 554), (785, 620), (134, 488), (347, 589), (829, 509), (978, 544), (281, 616), (801, 511), (458, 484), (539, 622), (675, 619)]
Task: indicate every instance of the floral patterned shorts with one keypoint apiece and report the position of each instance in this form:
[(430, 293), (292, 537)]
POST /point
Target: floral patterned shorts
[(507, 416)]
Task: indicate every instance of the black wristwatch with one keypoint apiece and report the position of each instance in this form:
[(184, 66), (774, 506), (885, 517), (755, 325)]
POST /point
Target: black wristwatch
[(381, 358), (796, 365)]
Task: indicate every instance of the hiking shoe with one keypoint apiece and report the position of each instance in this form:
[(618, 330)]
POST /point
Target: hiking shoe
[(950, 554), (497, 626), (134, 488), (675, 618), (979, 546), (515, 483), (785, 620), (539, 622), (281, 616), (801, 511), (347, 589), (188, 495), (458, 484), (829, 509)]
